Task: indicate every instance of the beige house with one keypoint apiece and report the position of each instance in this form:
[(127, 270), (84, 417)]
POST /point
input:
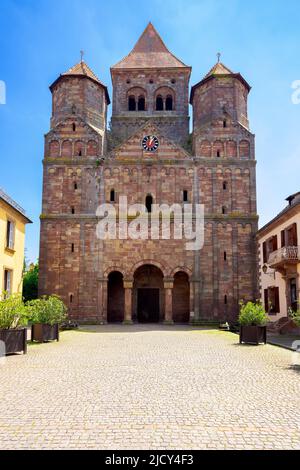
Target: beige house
[(279, 260), (12, 243)]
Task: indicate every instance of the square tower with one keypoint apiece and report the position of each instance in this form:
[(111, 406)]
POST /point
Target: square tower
[(150, 84)]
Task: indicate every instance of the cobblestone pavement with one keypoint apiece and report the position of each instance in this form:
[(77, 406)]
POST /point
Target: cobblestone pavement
[(153, 387)]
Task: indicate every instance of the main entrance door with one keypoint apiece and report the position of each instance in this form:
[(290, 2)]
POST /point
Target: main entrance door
[(148, 305)]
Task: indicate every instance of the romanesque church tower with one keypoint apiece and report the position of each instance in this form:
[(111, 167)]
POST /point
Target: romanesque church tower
[(149, 156)]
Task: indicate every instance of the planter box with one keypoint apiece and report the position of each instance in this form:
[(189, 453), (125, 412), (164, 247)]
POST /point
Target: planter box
[(15, 340), (253, 334), (42, 332)]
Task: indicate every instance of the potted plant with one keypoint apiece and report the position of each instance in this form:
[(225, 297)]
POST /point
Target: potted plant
[(46, 314), (252, 319), (13, 319)]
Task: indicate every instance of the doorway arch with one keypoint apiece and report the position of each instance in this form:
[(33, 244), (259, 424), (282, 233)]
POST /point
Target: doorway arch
[(115, 297), (148, 291), (181, 298)]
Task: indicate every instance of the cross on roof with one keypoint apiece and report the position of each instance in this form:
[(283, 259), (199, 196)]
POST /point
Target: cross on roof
[(218, 56), (81, 56)]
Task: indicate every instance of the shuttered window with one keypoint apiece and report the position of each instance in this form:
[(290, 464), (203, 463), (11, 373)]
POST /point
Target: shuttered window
[(7, 281), (265, 256), (282, 238), (10, 234), (289, 236)]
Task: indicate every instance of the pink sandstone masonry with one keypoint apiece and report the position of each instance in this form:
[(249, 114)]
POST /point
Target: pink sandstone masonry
[(149, 280)]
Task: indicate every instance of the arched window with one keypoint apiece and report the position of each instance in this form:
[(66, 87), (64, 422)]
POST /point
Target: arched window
[(185, 196), (112, 195), (169, 103), (159, 103), (141, 103), (224, 210), (74, 127), (225, 299), (149, 202), (131, 103), (224, 185)]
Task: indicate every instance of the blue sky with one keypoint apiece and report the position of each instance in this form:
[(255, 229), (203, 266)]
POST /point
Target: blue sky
[(39, 39)]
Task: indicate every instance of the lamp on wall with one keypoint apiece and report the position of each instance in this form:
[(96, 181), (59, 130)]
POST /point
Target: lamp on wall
[(268, 273)]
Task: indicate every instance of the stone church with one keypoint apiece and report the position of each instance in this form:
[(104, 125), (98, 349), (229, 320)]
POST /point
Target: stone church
[(148, 154)]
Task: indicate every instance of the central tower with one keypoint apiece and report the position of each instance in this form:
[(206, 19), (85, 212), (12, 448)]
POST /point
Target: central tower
[(150, 84)]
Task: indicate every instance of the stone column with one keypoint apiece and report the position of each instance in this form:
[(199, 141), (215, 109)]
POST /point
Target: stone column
[(168, 286), (128, 285), (102, 301)]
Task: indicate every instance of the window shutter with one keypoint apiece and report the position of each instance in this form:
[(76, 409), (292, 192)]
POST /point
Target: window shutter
[(264, 252), (11, 235), (294, 234), (7, 233), (282, 238), (266, 298), (7, 281), (277, 304)]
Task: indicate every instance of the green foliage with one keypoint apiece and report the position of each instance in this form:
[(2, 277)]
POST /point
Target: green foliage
[(252, 313), (48, 310), (13, 313), (295, 316), (30, 283)]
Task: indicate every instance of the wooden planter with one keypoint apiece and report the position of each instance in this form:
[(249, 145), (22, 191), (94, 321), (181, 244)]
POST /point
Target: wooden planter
[(15, 340), (253, 334), (42, 332)]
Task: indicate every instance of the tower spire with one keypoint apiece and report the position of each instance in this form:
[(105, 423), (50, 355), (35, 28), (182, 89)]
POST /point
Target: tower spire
[(218, 56), (81, 56)]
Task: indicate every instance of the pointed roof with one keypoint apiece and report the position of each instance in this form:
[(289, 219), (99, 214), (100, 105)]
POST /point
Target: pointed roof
[(82, 70), (150, 52), (219, 70)]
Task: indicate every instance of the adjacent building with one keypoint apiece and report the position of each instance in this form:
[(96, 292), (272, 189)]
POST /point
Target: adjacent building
[(13, 221), (150, 156), (279, 260)]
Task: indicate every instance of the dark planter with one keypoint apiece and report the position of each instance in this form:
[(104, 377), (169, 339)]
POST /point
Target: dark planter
[(42, 332), (15, 340), (253, 334)]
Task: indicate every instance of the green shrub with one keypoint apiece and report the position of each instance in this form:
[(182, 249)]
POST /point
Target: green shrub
[(48, 310), (13, 313), (295, 316), (252, 313), (30, 283)]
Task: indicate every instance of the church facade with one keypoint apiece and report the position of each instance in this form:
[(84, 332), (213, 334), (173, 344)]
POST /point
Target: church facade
[(149, 156)]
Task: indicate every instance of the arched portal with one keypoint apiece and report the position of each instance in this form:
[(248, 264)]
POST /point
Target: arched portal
[(115, 298), (148, 294), (181, 298)]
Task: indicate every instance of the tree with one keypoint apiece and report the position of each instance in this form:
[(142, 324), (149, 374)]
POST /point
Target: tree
[(30, 282)]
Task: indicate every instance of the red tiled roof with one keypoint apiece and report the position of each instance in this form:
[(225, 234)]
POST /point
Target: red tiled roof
[(219, 69), (83, 70), (150, 52)]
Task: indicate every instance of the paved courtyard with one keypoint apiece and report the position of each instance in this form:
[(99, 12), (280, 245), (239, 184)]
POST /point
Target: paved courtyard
[(149, 387)]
